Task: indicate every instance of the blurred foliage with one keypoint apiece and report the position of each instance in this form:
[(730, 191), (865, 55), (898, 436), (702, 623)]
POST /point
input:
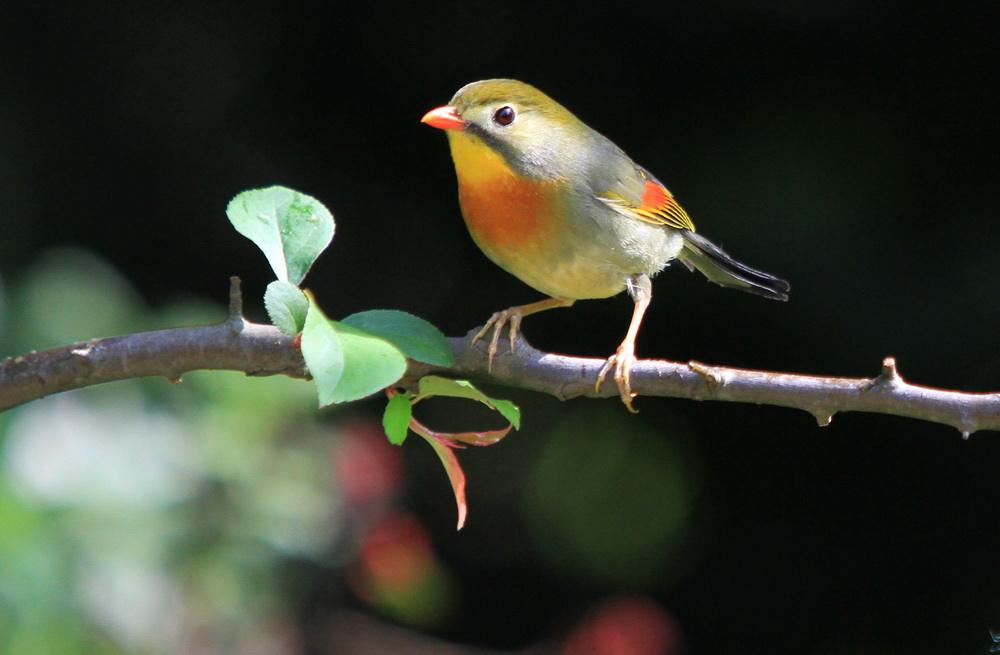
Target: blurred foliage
[(611, 502), (69, 295), (149, 517), (159, 514)]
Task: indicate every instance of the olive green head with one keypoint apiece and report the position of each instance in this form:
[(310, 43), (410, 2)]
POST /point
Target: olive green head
[(533, 132)]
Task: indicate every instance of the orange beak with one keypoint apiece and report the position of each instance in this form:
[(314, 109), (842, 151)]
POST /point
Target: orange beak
[(445, 118)]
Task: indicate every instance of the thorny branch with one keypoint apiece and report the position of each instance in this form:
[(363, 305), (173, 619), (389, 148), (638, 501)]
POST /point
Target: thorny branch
[(237, 344)]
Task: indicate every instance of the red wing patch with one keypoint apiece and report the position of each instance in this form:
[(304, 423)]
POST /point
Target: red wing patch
[(657, 206), (655, 195)]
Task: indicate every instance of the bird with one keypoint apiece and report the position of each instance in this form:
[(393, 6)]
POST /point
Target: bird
[(562, 208)]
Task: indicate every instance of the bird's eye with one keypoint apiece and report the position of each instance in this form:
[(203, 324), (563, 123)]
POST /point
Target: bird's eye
[(504, 116)]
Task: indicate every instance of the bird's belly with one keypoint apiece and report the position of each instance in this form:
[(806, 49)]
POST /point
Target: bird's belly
[(575, 279), (523, 228)]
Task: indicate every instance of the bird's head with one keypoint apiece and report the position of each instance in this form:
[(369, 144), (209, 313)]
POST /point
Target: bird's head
[(534, 134)]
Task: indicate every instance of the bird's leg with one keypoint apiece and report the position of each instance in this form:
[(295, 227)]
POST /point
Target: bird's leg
[(513, 317), (641, 289)]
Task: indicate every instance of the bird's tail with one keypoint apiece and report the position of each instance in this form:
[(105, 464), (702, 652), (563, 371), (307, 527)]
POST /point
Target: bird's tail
[(718, 267)]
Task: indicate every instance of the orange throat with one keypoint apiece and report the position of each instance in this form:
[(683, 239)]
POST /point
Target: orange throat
[(508, 213), (503, 211)]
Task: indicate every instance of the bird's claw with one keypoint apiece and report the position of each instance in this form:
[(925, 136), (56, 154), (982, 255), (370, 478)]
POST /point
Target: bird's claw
[(510, 317), (622, 361)]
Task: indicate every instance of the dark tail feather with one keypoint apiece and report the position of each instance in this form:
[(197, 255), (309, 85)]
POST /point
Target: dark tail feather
[(718, 267)]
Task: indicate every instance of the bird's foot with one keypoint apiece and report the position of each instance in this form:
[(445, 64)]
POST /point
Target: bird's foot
[(622, 361), (510, 317)]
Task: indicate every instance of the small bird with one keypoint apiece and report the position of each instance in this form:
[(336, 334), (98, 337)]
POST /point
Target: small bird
[(562, 208)]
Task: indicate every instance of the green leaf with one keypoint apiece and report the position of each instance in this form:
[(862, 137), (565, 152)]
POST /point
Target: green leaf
[(287, 306), (434, 385), (370, 363), (323, 352), (347, 363), (291, 228), (509, 411), (417, 338), (396, 418), (444, 443)]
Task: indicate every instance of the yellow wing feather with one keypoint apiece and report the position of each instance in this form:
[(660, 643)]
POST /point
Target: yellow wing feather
[(657, 206)]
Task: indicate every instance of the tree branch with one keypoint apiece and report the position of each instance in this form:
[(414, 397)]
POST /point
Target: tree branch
[(823, 397), (235, 344), (239, 345)]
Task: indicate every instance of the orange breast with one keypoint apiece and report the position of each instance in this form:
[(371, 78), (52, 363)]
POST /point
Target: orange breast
[(507, 213), (524, 226), (508, 216)]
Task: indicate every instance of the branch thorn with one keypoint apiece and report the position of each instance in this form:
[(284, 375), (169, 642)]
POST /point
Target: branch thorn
[(889, 372), (887, 377), (823, 418), (705, 372), (235, 318)]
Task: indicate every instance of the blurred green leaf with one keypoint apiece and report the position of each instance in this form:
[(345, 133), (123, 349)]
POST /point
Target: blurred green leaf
[(61, 633), (85, 567), (396, 418), (435, 385), (69, 295), (4, 328), (291, 228), (291, 501), (417, 338), (609, 498), (287, 306), (323, 353)]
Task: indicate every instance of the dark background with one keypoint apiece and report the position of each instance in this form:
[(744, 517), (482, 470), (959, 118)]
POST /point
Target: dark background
[(849, 147)]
